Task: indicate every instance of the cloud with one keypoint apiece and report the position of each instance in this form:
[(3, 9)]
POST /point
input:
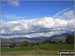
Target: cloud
[(13, 2), (13, 17), (46, 26), (57, 14), (68, 14), (65, 14)]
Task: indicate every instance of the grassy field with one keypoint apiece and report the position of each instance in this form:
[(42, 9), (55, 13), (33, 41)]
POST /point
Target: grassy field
[(27, 48), (37, 52), (44, 49), (55, 47)]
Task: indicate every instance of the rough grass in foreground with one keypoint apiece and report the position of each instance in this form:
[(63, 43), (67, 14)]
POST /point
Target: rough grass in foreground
[(38, 52), (54, 47), (44, 49), (27, 48)]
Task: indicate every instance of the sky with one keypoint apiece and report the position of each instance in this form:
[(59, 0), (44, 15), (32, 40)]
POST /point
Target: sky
[(33, 9), (36, 18)]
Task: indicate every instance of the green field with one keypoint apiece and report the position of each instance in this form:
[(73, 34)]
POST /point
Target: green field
[(54, 47), (44, 49), (27, 48)]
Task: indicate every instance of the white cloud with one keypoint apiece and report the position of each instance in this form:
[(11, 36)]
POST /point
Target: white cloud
[(65, 14), (68, 14), (60, 12), (13, 17), (13, 2), (46, 26)]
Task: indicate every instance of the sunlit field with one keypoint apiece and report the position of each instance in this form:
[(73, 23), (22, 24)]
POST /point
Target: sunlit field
[(34, 28), (44, 49)]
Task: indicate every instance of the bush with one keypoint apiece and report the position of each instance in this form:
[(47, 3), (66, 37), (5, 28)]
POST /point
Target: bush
[(49, 41), (12, 45), (70, 39), (25, 43)]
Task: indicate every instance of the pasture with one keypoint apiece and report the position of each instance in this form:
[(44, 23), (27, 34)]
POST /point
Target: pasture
[(44, 49)]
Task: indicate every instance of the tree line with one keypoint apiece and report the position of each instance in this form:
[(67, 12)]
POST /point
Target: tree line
[(69, 40)]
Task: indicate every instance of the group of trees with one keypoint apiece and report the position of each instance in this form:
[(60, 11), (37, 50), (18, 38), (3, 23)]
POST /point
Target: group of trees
[(69, 40), (55, 42), (48, 41), (22, 44), (12, 45), (25, 43)]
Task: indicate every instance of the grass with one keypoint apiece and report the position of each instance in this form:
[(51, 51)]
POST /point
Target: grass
[(37, 52), (16, 49), (44, 49), (54, 47)]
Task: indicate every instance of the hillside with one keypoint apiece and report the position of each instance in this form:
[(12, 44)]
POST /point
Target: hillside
[(39, 39)]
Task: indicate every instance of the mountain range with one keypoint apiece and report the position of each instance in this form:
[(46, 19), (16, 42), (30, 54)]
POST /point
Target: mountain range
[(39, 38)]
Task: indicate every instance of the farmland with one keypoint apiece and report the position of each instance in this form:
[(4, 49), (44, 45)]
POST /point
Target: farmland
[(44, 49)]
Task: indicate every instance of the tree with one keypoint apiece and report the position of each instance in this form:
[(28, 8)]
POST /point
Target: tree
[(60, 42), (25, 43), (49, 41), (4, 45), (70, 39), (37, 43), (12, 45)]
